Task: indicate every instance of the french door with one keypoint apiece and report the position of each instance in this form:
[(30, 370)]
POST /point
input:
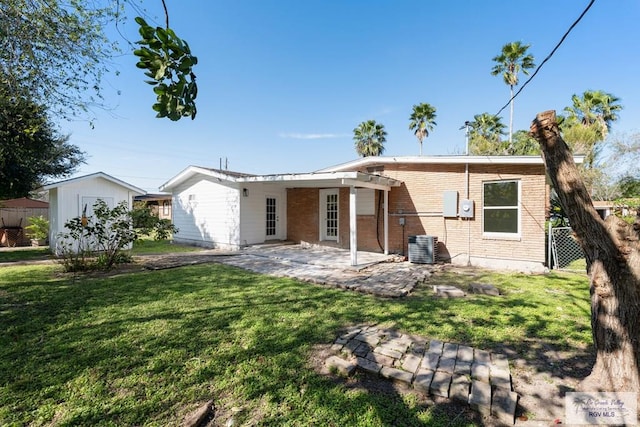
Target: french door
[(271, 225), (329, 214)]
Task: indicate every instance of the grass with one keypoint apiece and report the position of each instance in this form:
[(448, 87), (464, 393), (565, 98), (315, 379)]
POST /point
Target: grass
[(24, 254), (577, 265), (146, 246), (146, 348)]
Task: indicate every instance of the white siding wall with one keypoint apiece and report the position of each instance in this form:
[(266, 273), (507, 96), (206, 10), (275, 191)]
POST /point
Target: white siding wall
[(66, 201), (253, 213), (211, 218), (54, 217)]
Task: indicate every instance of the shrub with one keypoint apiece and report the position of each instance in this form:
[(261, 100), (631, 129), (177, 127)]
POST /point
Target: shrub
[(97, 242), (38, 227)]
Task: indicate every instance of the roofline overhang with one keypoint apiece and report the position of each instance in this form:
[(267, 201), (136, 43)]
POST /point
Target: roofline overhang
[(343, 178), (103, 175), (440, 160)]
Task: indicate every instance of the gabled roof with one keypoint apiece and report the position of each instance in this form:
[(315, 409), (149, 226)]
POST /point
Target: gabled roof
[(372, 161), (23, 202), (314, 179), (95, 175)]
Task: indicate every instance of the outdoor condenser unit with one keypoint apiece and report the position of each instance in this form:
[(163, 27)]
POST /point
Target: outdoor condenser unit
[(423, 249)]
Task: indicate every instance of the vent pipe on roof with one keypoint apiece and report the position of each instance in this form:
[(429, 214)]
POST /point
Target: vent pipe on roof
[(226, 164)]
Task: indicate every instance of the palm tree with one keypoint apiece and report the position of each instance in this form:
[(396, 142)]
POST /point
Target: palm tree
[(369, 138), (485, 134), (512, 60), (595, 107), (422, 121)]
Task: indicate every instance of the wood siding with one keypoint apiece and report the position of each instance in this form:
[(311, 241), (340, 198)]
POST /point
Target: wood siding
[(65, 201), (221, 216), (207, 213)]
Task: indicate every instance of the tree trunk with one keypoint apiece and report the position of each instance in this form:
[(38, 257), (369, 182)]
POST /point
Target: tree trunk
[(612, 251), (511, 117)]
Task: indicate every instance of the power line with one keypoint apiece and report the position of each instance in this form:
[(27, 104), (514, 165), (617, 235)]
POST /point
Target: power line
[(548, 56)]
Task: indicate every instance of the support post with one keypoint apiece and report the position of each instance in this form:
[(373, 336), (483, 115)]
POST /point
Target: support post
[(353, 226), (386, 222)]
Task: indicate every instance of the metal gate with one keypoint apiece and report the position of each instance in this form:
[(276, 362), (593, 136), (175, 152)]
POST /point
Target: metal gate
[(565, 252)]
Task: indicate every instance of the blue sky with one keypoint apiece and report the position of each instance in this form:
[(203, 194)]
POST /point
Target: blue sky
[(283, 83)]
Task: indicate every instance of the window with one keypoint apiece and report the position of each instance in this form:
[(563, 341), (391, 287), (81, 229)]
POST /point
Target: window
[(165, 208), (501, 208), (365, 201)]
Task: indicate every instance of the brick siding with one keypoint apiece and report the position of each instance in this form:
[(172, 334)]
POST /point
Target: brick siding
[(420, 202)]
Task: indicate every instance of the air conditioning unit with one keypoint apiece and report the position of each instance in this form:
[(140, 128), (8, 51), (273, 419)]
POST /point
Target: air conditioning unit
[(423, 249)]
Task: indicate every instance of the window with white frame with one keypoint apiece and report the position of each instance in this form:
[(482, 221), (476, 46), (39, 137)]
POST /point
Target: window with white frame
[(501, 208)]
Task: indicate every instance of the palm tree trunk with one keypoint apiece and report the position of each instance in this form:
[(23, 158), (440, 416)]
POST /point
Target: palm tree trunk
[(612, 250), (510, 114)]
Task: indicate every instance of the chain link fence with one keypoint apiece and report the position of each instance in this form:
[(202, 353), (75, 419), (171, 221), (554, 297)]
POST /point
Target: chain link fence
[(565, 252)]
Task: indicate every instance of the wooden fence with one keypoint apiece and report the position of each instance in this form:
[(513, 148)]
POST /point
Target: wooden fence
[(14, 220)]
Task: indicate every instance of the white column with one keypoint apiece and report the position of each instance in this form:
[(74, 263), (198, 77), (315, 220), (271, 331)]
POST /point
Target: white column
[(353, 226), (386, 222)]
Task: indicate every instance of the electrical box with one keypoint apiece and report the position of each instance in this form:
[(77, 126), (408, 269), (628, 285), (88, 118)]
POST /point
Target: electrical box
[(450, 204), (466, 208)]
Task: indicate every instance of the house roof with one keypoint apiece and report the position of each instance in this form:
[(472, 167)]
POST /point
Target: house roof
[(152, 197), (314, 179), (23, 202), (372, 161), (95, 175)]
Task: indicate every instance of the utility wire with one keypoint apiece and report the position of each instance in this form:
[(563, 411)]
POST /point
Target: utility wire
[(548, 56)]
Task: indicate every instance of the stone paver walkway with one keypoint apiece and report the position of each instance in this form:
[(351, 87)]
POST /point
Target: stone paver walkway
[(377, 274), (385, 279), (477, 377)]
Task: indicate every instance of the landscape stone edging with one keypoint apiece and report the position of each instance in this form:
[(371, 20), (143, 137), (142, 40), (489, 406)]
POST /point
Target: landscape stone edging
[(477, 377)]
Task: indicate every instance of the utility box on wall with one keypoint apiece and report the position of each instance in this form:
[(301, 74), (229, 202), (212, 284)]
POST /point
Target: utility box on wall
[(450, 204), (466, 208)]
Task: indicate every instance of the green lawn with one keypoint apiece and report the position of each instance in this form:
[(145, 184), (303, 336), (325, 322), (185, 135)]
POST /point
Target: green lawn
[(24, 254), (148, 347), (149, 246), (142, 246)]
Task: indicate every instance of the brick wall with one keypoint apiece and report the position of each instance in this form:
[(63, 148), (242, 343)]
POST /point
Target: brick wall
[(303, 215), (420, 202)]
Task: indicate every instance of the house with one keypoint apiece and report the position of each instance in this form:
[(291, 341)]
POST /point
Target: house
[(478, 210), (70, 198), (159, 204), (14, 217), (224, 209)]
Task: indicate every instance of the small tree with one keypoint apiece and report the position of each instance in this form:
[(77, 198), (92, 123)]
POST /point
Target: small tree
[(98, 241), (485, 135), (38, 228)]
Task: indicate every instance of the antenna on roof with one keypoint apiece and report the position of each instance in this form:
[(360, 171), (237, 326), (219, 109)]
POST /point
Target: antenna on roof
[(226, 163)]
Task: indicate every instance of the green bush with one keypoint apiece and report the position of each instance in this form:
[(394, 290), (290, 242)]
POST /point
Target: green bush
[(38, 227), (98, 242)]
